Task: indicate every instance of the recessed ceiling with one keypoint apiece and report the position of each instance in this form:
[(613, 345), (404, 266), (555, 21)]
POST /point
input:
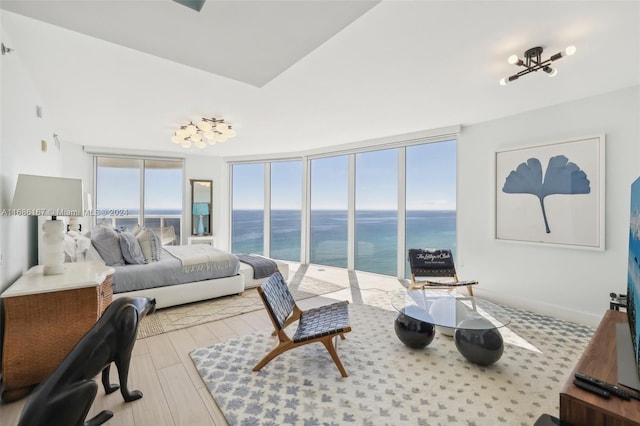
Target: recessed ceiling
[(248, 41), (378, 70)]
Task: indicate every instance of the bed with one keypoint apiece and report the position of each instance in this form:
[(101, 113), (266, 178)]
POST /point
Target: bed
[(173, 275)]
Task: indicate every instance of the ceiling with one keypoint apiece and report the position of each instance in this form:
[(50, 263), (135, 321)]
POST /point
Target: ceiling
[(294, 75)]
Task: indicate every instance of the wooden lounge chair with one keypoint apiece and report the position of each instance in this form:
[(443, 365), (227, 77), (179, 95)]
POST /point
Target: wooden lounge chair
[(320, 324), (435, 263)]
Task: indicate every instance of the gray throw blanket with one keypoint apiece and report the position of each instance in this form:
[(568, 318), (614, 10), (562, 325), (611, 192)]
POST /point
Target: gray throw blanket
[(262, 266)]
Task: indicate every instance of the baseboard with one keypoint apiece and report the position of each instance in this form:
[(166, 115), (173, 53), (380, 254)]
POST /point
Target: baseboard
[(550, 309)]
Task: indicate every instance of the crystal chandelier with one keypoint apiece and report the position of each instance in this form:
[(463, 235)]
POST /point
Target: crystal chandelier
[(207, 131)]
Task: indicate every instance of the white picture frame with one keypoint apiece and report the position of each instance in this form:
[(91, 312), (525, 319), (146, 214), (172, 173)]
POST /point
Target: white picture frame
[(552, 194)]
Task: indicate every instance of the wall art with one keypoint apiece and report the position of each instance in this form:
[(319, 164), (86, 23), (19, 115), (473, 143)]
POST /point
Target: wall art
[(552, 194)]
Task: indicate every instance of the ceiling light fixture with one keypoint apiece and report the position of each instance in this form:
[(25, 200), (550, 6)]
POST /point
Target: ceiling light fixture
[(205, 131), (533, 62)]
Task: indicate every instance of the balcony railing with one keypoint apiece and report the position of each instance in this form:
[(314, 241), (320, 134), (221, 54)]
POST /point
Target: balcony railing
[(157, 222)]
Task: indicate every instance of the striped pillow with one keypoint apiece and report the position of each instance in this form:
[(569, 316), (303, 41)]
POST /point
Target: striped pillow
[(150, 244)]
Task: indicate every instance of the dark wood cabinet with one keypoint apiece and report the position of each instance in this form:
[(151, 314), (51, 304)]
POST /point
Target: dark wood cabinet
[(580, 407)]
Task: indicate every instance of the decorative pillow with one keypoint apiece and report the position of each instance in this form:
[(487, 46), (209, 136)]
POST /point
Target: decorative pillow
[(131, 250), (93, 255), (156, 246), (107, 242), (144, 239), (149, 244)]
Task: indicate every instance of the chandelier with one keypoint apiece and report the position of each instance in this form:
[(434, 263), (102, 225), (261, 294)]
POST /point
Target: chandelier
[(533, 62), (207, 131)]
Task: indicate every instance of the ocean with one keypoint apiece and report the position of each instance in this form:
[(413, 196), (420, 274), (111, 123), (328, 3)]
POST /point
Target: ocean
[(376, 236)]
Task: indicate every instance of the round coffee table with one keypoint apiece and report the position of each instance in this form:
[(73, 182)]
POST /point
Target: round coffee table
[(474, 322)]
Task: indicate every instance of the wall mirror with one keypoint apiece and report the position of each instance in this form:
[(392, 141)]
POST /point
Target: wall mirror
[(201, 206)]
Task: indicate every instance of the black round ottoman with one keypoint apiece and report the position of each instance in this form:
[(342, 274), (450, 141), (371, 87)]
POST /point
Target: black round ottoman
[(412, 332), (479, 341)]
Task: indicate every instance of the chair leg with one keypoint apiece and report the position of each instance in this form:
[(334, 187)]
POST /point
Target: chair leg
[(282, 347), (327, 342), (470, 290)]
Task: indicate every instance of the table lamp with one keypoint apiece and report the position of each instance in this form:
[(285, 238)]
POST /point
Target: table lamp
[(49, 196), (200, 209)]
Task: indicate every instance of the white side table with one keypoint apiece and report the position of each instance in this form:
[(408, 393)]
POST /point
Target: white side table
[(204, 239)]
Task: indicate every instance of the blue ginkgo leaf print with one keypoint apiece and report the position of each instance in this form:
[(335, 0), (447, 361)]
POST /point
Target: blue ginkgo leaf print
[(561, 177)]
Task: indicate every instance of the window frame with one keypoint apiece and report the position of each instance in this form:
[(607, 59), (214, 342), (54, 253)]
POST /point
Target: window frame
[(400, 142), (141, 165)]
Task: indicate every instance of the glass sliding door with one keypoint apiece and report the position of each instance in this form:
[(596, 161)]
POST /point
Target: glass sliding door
[(431, 196), (329, 208), (118, 188), (163, 197), (137, 191), (247, 214), (286, 210), (376, 216)]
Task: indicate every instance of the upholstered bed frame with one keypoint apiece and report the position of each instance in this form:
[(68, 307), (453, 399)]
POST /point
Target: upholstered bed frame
[(202, 290), (169, 294)]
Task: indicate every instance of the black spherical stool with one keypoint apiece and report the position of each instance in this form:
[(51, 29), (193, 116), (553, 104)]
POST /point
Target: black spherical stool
[(412, 332), (479, 341)]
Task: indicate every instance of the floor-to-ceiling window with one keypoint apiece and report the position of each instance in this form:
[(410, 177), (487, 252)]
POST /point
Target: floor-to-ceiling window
[(363, 209), (376, 211), (329, 209), (286, 210), (247, 208), (431, 196), (139, 191)]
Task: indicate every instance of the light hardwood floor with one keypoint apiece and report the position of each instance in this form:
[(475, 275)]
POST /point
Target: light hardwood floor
[(174, 393)]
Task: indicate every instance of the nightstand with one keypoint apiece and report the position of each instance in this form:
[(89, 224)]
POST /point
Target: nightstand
[(45, 316), (204, 239)]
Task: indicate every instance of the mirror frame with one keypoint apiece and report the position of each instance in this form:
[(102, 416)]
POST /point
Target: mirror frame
[(201, 194)]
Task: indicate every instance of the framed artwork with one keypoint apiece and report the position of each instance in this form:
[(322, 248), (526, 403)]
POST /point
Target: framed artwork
[(552, 194)]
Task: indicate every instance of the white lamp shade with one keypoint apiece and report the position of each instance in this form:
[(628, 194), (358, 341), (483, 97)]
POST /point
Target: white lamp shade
[(47, 196)]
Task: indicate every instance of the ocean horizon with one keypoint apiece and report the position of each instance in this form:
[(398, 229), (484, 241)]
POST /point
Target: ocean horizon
[(376, 235)]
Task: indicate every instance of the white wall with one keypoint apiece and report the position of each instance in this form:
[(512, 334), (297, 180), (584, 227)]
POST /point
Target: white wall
[(565, 282), (20, 152), (208, 168)]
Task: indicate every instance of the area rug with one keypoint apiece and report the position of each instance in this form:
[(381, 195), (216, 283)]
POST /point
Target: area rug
[(390, 384), (192, 314)]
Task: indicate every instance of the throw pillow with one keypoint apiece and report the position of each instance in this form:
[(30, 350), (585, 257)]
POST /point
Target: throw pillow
[(131, 250), (106, 241), (156, 245), (149, 244)]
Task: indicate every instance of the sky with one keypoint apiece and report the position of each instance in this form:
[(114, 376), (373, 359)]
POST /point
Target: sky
[(431, 172), (119, 188)]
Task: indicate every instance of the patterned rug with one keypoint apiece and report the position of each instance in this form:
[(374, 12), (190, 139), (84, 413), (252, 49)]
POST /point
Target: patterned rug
[(390, 384), (189, 315)]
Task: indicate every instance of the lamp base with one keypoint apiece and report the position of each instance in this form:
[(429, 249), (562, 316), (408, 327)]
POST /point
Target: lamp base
[(53, 242), (200, 227)]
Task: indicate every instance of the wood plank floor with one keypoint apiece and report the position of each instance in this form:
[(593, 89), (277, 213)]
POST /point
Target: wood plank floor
[(161, 368), (174, 393)]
